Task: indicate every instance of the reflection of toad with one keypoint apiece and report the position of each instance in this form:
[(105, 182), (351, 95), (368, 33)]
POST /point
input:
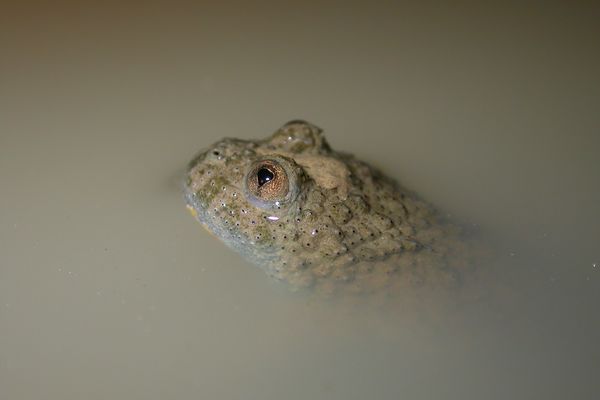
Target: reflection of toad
[(309, 215)]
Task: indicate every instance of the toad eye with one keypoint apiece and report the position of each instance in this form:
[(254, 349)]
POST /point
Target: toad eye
[(264, 175), (271, 182), (268, 182)]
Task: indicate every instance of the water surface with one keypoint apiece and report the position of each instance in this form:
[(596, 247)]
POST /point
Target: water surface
[(108, 289)]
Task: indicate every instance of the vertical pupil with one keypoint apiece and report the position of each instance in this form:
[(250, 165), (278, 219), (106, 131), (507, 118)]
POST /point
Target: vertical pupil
[(264, 176)]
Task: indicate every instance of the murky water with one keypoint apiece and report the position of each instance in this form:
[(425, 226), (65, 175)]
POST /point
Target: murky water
[(108, 289)]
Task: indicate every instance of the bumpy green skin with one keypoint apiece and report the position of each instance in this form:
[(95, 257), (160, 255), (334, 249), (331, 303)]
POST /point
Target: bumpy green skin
[(345, 225)]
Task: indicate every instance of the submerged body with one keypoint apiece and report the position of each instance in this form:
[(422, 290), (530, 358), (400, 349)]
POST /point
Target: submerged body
[(311, 216)]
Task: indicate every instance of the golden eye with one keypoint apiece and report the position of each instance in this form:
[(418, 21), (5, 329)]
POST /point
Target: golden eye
[(268, 181)]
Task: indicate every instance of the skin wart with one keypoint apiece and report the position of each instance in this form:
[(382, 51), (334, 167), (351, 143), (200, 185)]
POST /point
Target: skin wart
[(314, 217)]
